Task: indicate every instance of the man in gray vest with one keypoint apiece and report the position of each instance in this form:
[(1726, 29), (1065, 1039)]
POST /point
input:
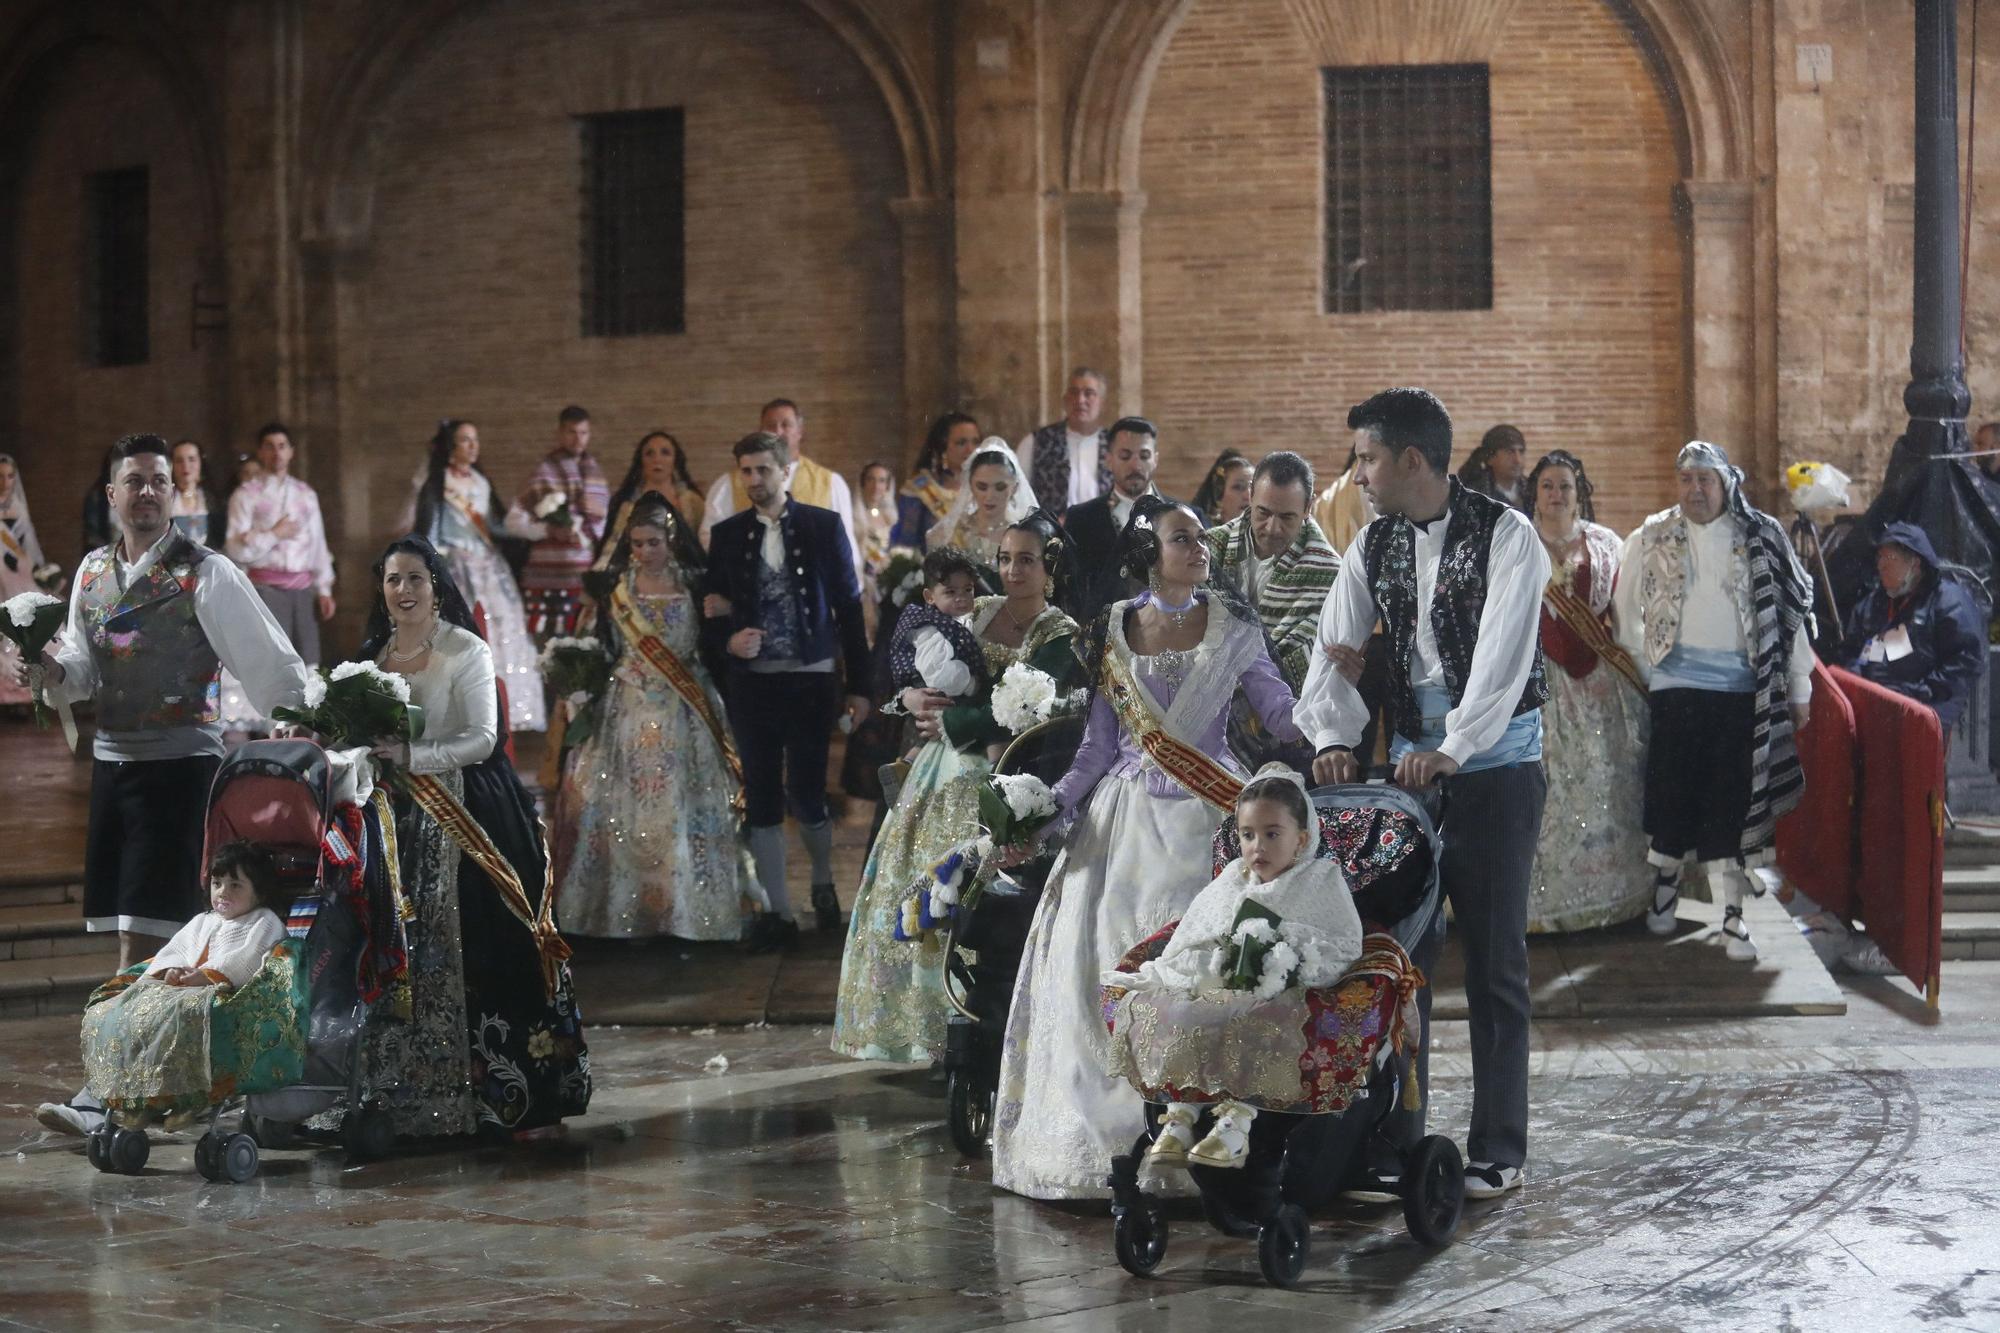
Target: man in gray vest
[(153, 618), (1064, 460)]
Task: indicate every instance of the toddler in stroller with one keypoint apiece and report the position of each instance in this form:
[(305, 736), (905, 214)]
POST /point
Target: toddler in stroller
[(1303, 1079)]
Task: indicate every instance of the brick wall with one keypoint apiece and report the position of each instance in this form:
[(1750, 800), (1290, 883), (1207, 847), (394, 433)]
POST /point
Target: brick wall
[(793, 265), (106, 111), (1583, 346)]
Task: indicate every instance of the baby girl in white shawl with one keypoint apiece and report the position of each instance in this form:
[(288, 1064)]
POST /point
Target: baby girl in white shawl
[(1318, 935)]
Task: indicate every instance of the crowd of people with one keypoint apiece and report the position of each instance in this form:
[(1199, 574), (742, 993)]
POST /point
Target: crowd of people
[(1604, 715)]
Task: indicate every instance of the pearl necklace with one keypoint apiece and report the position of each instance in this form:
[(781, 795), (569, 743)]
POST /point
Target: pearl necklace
[(389, 650)]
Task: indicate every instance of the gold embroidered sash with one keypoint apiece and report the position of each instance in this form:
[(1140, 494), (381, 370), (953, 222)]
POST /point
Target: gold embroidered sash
[(638, 633), (1574, 612), (461, 828), (1197, 774)]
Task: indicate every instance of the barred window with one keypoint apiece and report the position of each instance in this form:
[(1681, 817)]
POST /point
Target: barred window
[(1409, 200), (634, 228), (115, 283)]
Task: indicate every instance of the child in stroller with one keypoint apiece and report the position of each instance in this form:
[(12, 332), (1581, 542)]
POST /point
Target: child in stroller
[(1322, 1071)]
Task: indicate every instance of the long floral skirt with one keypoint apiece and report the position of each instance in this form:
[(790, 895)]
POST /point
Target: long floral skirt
[(891, 1003), (483, 576), (1590, 865), (1132, 864)]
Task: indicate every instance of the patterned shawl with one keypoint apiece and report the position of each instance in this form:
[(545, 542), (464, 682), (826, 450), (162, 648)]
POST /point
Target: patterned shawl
[(1773, 597), (1295, 588)]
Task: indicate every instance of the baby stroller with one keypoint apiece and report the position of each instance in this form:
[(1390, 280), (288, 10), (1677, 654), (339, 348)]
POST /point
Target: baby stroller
[(983, 947), (1359, 1054), (284, 1046)]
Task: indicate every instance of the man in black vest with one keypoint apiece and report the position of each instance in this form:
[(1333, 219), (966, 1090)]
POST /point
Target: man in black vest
[(1456, 580), (1064, 460), (782, 601), (1093, 527)]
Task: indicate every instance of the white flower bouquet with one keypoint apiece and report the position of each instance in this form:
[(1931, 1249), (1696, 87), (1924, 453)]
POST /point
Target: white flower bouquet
[(356, 704), (1024, 696), (1266, 955), (552, 509), (577, 670), (901, 578), (32, 620), (1013, 809)]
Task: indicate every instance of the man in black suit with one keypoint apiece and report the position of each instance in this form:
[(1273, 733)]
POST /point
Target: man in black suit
[(1132, 456), (782, 601)]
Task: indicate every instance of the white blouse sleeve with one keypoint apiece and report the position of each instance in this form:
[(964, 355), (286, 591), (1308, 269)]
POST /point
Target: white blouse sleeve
[(475, 702), (1330, 710), (935, 663)]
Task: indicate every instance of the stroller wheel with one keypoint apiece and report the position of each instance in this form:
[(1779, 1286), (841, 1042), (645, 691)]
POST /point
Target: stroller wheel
[(128, 1151), (968, 1112), (97, 1147), (1140, 1237), (208, 1156), (367, 1134), (238, 1158), (1282, 1246), (1433, 1190)]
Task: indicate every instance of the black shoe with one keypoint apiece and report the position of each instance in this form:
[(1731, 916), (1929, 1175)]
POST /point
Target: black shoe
[(1377, 1185), (826, 907), (770, 933)]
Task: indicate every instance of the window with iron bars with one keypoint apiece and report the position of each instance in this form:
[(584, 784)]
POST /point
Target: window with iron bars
[(1409, 199), (634, 223), (116, 284)]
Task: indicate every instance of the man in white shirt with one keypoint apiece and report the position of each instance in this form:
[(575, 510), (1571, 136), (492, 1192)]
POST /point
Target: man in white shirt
[(277, 535), (153, 618), (1713, 606), (806, 482), (1456, 579), (1064, 460)]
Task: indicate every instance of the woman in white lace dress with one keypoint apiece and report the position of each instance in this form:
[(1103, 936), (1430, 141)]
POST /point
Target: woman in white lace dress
[(1138, 851), (1590, 865), (995, 493)]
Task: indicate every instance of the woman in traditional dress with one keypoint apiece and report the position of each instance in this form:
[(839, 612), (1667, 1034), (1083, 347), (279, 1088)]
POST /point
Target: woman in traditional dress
[(659, 467), (1152, 780), (1225, 490), (1590, 866), (455, 511), (195, 512), (20, 557), (874, 520), (646, 840), (494, 1041), (995, 494), (927, 496), (891, 1001)]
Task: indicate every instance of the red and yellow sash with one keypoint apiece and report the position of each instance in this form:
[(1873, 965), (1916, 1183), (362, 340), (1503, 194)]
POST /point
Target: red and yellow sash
[(1197, 774), (1574, 612), (459, 825), (639, 634)]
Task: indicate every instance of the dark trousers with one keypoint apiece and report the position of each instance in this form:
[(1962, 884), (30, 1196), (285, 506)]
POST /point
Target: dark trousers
[(1492, 821), (1698, 773), (783, 724), (142, 868)]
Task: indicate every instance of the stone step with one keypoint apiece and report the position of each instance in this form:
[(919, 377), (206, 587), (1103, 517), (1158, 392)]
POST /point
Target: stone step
[(1971, 935), (34, 987), (45, 930), (41, 892), (1972, 888)]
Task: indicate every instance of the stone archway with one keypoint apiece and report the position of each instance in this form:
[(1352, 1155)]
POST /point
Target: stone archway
[(1731, 372)]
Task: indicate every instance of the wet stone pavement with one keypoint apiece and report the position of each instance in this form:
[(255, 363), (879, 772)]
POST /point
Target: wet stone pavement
[(1783, 1172)]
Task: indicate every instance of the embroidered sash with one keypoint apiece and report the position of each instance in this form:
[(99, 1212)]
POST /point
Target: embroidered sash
[(14, 547), (1197, 774), (461, 828), (1574, 612), (639, 634)]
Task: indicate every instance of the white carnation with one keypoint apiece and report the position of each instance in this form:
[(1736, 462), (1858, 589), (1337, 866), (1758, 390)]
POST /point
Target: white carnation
[(315, 690), (1023, 697), (22, 607), (1277, 969), (387, 680), (1256, 928), (549, 503), (1026, 795)]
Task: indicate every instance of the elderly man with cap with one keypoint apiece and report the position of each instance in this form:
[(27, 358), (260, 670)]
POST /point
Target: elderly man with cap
[(1713, 606), (1916, 632)]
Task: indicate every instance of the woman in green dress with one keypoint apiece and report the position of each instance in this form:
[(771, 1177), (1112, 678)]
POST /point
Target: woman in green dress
[(891, 1003)]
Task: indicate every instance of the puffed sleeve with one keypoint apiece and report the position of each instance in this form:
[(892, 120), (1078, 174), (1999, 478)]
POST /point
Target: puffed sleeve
[(477, 709)]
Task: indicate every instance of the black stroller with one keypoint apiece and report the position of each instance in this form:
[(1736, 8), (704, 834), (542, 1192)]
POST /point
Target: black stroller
[(278, 795), (1298, 1162), (982, 953)]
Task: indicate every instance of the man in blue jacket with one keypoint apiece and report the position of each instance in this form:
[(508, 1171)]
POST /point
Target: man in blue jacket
[(782, 602), (1917, 632)]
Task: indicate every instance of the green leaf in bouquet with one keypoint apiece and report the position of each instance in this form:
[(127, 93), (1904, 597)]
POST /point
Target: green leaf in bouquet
[(1248, 965), (413, 716)]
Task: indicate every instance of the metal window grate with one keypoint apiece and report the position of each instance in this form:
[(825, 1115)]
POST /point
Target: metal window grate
[(634, 225), (1409, 199), (115, 282)]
